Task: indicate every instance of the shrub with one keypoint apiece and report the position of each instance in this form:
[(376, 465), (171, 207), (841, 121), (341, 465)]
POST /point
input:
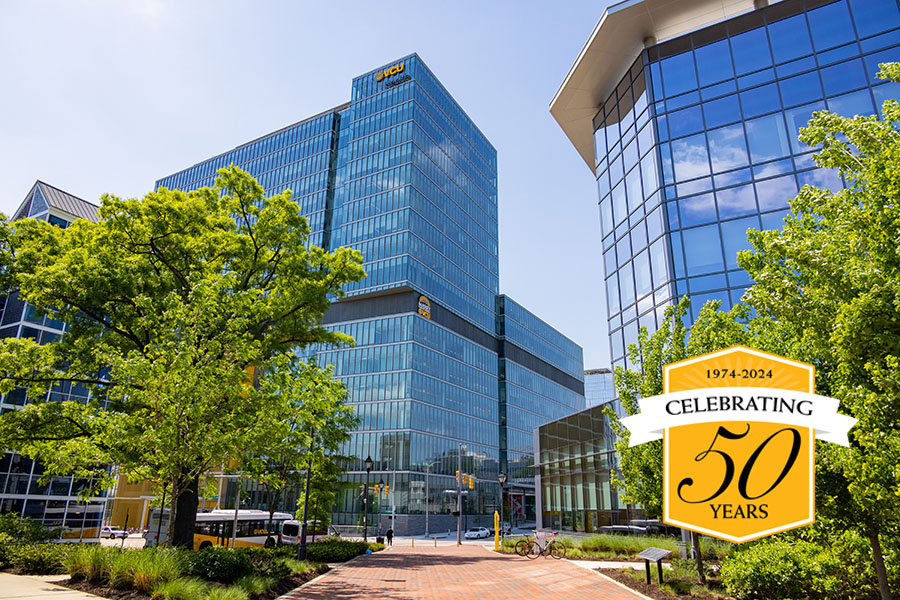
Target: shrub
[(183, 588), (155, 566), (6, 541), (89, 562), (38, 559), (220, 592), (255, 585), (217, 563), (26, 531), (376, 547), (335, 550), (299, 567), (269, 562), (780, 569)]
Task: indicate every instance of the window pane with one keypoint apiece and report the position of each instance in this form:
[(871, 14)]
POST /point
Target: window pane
[(736, 202), (775, 193), (620, 209), (767, 138), (722, 111), (642, 273), (727, 148), (633, 186), (830, 26), (714, 63), (774, 220), (697, 210), (734, 238), (659, 263), (685, 122), (844, 77), (703, 250), (750, 51), (690, 157), (759, 101), (678, 74), (874, 17), (797, 118), (790, 39), (612, 294), (649, 174), (801, 89), (626, 286), (828, 179), (850, 105)]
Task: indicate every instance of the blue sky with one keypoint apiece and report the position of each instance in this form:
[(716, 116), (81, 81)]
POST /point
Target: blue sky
[(104, 96)]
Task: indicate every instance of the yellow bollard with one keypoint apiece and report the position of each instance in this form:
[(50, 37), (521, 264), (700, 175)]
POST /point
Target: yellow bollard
[(496, 531)]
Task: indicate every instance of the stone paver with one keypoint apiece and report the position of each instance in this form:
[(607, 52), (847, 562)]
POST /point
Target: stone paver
[(458, 573)]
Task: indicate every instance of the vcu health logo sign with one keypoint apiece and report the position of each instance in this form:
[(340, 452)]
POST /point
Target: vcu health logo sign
[(738, 429)]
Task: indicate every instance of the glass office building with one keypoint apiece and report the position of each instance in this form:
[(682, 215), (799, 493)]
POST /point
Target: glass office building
[(691, 133), (574, 456), (55, 503), (599, 387), (401, 173)]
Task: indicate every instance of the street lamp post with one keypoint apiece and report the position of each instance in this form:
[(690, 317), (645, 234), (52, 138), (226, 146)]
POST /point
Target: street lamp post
[(459, 452), (301, 547), (369, 464), (502, 479)]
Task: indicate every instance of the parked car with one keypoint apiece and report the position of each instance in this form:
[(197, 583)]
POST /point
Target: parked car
[(623, 529), (477, 532), (113, 532)]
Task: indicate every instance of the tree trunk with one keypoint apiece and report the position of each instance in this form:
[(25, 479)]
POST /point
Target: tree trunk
[(182, 529), (695, 542), (878, 557), (273, 500)]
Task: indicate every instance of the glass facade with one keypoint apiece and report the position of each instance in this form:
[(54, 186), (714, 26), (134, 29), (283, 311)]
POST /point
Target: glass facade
[(55, 502), (575, 456), (599, 387), (698, 143), (402, 174)]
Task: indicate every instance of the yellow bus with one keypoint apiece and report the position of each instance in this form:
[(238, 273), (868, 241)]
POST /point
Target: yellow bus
[(215, 528)]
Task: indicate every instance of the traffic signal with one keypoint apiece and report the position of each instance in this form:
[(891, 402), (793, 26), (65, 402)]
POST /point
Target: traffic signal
[(387, 489), (465, 480), (471, 482), (457, 477)]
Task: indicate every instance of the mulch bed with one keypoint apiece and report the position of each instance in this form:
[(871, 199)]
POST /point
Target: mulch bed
[(640, 585), (282, 587)]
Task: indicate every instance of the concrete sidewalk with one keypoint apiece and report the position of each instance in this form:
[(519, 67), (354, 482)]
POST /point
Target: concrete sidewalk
[(33, 587)]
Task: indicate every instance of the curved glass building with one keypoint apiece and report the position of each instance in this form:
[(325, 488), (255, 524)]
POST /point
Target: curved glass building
[(688, 115)]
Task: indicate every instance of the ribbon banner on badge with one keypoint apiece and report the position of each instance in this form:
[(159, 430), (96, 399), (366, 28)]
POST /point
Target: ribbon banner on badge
[(738, 429), (767, 405)]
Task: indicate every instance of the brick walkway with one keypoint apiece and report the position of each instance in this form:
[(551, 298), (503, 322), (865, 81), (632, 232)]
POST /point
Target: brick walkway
[(458, 573)]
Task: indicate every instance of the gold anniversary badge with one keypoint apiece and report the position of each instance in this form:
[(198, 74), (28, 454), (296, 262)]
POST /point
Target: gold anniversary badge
[(738, 429)]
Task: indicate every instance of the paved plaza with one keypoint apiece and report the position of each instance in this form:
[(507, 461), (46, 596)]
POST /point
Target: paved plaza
[(458, 573)]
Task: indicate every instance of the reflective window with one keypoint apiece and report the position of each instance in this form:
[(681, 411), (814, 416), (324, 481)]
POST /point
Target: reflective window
[(685, 122), (703, 250), (775, 193), (767, 138), (797, 118), (697, 210), (843, 77), (852, 104), (734, 238), (659, 263), (612, 294), (773, 220), (759, 101), (690, 157), (643, 283), (678, 74), (750, 51), (626, 286), (727, 148), (801, 89), (736, 202), (790, 38), (722, 111), (714, 63), (830, 26), (620, 208), (874, 17)]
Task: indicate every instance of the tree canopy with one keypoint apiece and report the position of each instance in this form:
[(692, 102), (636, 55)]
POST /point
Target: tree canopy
[(172, 304)]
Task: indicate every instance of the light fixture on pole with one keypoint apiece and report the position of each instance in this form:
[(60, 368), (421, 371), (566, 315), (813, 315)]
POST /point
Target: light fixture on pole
[(502, 479), (369, 464)]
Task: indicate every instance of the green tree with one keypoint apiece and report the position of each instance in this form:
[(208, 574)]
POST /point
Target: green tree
[(171, 302), (833, 275), (309, 420)]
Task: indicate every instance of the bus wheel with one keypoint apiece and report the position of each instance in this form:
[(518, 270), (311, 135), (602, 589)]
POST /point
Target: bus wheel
[(205, 545), (270, 542)]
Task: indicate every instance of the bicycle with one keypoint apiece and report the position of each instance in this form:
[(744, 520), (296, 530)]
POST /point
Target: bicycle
[(543, 542)]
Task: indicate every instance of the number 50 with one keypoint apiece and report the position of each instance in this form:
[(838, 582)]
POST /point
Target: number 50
[(748, 466)]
